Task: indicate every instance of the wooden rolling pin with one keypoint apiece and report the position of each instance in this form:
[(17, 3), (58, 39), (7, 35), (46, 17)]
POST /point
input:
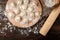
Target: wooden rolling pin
[(50, 20)]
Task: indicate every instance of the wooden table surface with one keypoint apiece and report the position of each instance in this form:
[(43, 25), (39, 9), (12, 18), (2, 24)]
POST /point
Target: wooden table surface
[(53, 34)]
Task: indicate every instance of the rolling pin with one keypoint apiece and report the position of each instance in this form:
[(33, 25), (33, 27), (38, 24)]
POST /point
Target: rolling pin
[(49, 22)]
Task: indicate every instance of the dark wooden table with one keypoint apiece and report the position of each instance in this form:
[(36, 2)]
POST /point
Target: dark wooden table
[(53, 34)]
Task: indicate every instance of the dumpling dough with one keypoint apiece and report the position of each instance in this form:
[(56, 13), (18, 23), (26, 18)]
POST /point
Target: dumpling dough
[(23, 13)]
